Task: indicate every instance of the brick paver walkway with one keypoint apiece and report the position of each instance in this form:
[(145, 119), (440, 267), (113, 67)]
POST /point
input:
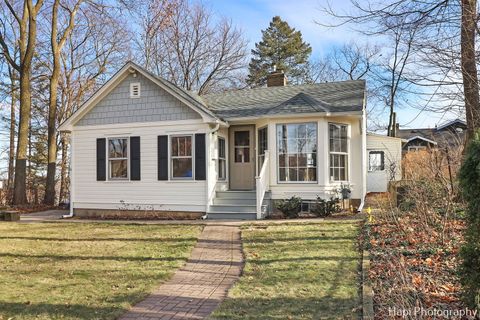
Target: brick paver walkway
[(198, 288)]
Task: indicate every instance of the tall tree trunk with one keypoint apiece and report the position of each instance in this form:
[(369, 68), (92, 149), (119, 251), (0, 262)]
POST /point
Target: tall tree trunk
[(52, 134), (57, 45), (63, 169), (11, 151), (469, 67), (27, 43), (19, 193)]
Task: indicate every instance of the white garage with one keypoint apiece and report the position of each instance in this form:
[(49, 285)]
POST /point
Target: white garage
[(384, 161)]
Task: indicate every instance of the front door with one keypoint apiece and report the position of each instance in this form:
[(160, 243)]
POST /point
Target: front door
[(242, 157)]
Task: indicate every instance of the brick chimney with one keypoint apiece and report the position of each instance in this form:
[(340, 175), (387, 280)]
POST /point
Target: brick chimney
[(276, 78)]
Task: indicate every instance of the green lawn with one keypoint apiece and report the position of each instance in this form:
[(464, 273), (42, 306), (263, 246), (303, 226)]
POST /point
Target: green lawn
[(297, 271), (85, 271)]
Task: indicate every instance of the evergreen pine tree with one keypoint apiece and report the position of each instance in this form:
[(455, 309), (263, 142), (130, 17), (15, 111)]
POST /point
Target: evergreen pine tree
[(283, 47)]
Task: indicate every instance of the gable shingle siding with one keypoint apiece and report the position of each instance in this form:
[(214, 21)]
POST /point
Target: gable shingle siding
[(154, 104)]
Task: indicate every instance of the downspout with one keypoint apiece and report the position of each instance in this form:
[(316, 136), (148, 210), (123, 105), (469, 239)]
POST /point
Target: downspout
[(363, 129), (72, 182)]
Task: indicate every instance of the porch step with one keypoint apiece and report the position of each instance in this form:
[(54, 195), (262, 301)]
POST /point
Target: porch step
[(232, 216), (236, 194), (233, 204), (234, 208)]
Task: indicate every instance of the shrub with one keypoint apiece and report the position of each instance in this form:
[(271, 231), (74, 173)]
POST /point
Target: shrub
[(290, 207), (469, 178), (325, 208)]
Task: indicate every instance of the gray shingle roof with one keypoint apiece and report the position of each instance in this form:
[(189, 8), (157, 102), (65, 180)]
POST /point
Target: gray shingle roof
[(344, 96), (444, 135)]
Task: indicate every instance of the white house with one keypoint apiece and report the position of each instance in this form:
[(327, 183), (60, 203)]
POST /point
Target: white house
[(143, 143)]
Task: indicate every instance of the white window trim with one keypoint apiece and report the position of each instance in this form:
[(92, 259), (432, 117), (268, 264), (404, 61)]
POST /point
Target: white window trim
[(347, 166), (376, 151), (220, 158), (278, 154), (265, 127), (132, 85), (127, 158), (170, 157)]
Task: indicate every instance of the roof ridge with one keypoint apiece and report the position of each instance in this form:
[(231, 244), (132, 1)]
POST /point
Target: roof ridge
[(305, 85)]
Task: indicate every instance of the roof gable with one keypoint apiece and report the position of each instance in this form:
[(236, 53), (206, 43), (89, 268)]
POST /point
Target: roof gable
[(152, 104), (302, 103), (127, 70)]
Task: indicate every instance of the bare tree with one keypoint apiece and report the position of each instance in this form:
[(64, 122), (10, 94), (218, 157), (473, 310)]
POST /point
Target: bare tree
[(57, 41), (469, 66), (193, 51), (9, 88), (26, 20), (96, 46), (444, 46)]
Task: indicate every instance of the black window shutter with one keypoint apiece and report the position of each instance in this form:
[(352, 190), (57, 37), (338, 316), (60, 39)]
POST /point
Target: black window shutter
[(162, 157), (200, 157), (101, 160), (134, 158)]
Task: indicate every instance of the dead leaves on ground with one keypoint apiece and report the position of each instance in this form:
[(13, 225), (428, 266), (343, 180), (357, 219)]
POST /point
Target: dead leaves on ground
[(412, 267)]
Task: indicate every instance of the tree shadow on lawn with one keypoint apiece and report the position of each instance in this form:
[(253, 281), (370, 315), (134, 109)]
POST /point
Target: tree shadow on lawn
[(18, 310), (288, 308), (333, 302), (287, 238), (100, 239), (67, 257)]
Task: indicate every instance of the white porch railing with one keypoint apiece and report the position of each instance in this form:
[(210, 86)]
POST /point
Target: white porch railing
[(262, 184)]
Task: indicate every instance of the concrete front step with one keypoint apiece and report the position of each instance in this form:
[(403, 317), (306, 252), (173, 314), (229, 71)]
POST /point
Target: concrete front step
[(232, 216), (234, 194), (238, 202), (232, 208)]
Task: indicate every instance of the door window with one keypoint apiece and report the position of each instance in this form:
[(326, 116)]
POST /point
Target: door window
[(242, 146)]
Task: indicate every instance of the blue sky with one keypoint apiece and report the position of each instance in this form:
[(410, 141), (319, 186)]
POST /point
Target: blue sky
[(252, 16)]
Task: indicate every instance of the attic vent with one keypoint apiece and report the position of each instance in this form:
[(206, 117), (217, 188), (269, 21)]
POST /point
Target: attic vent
[(135, 90)]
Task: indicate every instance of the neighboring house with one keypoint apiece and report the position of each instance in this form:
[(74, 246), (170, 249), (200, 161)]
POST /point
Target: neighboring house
[(142, 142), (450, 134), (384, 161)]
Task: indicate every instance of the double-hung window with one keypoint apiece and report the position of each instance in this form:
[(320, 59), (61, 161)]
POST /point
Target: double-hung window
[(222, 160), (297, 152), (181, 157), (338, 137), (118, 158)]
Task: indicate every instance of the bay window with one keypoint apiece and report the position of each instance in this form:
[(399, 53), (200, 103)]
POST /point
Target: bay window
[(181, 157), (297, 152), (118, 158), (338, 137)]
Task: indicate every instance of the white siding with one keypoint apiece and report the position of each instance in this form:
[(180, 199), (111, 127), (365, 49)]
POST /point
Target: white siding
[(377, 181), (162, 195), (323, 187)]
